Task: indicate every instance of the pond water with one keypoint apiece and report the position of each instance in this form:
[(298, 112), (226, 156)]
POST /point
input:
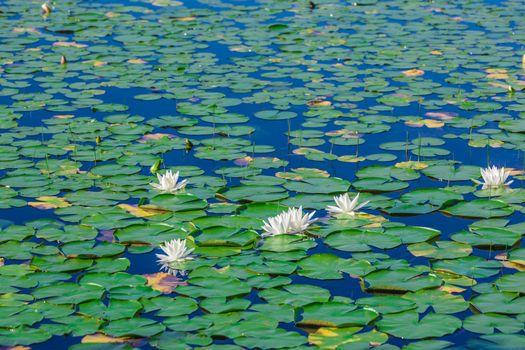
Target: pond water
[(262, 106)]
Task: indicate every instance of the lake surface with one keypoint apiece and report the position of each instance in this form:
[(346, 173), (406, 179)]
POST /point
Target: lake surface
[(262, 106)]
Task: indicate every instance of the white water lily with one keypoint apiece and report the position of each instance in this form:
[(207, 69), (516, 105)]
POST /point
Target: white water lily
[(288, 222), (494, 177), (169, 182), (176, 252), (47, 8), (345, 206)]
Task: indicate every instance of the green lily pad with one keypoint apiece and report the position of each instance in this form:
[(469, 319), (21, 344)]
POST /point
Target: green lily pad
[(342, 338), (489, 323), (488, 237), (387, 304), (141, 327), (470, 266), (480, 208), (440, 250), (354, 240), (334, 314), (401, 280), (440, 302), (409, 325), (295, 295), (505, 303)]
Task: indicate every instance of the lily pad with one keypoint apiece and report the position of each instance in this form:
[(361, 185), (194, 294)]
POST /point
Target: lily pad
[(409, 325)]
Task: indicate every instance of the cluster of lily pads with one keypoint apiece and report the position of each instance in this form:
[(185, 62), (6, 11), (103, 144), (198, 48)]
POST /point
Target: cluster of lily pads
[(267, 111), (290, 222)]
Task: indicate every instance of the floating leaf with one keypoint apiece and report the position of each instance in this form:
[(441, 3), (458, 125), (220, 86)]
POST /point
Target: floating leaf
[(409, 325), (49, 202), (401, 280), (334, 314), (333, 338)]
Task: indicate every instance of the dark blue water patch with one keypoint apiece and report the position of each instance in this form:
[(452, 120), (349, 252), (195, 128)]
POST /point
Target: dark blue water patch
[(142, 264), (446, 224), (57, 342), (22, 215), (223, 53), (496, 3)]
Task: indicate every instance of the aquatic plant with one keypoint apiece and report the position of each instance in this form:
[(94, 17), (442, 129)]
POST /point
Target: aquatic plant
[(47, 8), (169, 182), (494, 177), (175, 251), (345, 206), (289, 222), (261, 114)]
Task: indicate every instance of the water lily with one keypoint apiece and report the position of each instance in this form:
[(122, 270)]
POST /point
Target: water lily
[(494, 177), (345, 206), (47, 8), (176, 252), (288, 222), (169, 182)]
